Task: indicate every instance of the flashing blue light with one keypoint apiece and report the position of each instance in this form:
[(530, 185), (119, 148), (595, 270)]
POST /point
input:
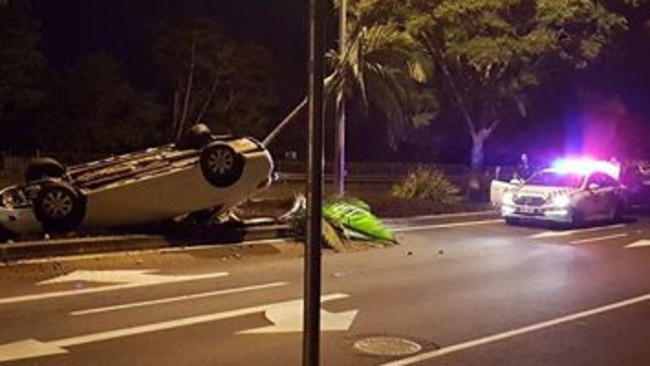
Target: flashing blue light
[(586, 166)]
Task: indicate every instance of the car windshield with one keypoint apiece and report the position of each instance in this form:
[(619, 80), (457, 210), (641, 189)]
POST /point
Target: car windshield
[(556, 179)]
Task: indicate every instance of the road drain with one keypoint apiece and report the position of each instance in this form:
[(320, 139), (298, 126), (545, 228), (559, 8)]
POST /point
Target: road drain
[(387, 346)]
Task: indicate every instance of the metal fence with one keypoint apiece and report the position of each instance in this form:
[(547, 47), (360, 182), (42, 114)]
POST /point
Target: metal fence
[(15, 166)]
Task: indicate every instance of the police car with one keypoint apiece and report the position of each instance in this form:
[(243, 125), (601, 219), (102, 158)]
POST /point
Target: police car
[(570, 192)]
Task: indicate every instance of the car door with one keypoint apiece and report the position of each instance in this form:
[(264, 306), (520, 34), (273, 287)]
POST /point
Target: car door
[(611, 191), (600, 196), (497, 188)]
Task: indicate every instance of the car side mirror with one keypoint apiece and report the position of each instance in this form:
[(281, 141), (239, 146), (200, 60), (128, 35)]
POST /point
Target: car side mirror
[(593, 186)]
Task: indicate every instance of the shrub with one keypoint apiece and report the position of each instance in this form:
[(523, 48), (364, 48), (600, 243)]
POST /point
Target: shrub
[(429, 184)]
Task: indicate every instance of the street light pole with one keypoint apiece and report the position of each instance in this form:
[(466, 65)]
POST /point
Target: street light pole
[(312, 262), (339, 125)]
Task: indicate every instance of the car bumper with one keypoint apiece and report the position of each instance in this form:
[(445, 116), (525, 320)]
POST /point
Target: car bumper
[(543, 213), (19, 220)]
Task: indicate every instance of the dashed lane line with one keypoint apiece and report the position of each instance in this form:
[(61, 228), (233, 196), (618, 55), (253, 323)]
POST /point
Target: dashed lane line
[(446, 226)]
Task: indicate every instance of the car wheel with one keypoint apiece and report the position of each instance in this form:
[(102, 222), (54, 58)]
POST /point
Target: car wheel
[(577, 218), (512, 221), (194, 138), (619, 212), (41, 168), (221, 165), (59, 207)]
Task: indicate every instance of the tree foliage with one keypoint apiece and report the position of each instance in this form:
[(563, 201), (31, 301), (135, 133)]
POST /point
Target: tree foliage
[(215, 80), (22, 69), (489, 54), (381, 68), (92, 109)]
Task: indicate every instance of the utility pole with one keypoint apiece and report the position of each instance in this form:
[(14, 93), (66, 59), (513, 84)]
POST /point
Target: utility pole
[(312, 262), (339, 125)]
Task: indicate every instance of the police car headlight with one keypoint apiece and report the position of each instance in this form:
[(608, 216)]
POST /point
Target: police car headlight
[(508, 198), (561, 201)]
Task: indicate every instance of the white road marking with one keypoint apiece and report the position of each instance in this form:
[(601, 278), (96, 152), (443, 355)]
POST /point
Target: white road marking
[(72, 258), (638, 244), (178, 298), (517, 332), (288, 317), (555, 234), (94, 290), (442, 216), (445, 226), (31, 348), (599, 238)]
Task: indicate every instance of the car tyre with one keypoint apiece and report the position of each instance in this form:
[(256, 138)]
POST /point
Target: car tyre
[(59, 207), (221, 165), (42, 168), (195, 137), (513, 221), (577, 218), (619, 212)]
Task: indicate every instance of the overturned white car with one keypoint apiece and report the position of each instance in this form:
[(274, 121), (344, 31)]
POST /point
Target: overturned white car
[(571, 193), (199, 172)]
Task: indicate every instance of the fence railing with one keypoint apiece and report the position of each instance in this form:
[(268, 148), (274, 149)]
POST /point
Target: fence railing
[(15, 166)]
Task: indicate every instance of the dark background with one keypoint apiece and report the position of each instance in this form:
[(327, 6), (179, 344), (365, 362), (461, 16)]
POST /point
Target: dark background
[(72, 28)]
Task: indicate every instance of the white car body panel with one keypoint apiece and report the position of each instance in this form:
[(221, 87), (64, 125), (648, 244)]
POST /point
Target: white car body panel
[(182, 190), (149, 186), (497, 188)]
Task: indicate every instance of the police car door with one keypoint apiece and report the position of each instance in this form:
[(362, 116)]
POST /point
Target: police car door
[(599, 195)]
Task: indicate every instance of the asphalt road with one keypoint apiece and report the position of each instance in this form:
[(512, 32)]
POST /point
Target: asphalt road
[(460, 290)]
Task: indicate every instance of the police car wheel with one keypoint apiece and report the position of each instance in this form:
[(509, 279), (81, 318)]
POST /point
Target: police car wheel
[(619, 212), (577, 218), (512, 221)]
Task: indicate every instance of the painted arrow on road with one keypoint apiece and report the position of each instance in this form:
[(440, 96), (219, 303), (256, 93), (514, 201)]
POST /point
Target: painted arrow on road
[(288, 317), (124, 280), (31, 348), (638, 244)]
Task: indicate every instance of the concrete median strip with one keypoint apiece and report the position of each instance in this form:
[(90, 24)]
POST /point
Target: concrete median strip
[(48, 249)]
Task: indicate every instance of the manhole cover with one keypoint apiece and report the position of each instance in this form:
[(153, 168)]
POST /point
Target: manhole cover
[(387, 346)]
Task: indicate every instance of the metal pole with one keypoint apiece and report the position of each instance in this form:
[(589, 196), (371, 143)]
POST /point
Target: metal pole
[(312, 278), (339, 125)]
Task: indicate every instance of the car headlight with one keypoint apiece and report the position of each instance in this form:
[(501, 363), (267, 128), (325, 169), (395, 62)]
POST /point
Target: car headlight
[(561, 201), (508, 198), (7, 200)]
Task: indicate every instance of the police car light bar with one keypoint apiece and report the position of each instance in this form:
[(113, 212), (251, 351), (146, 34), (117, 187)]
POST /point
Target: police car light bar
[(586, 166)]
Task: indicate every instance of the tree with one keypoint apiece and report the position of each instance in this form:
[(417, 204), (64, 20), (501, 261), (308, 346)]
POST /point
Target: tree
[(215, 80), (490, 53), (381, 68), (22, 69), (92, 109)]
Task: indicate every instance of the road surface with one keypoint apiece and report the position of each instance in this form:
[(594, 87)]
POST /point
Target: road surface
[(458, 290)]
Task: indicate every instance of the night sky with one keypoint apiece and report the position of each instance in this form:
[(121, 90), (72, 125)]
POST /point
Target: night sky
[(72, 28)]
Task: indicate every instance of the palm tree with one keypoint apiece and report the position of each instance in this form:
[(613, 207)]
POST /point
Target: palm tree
[(382, 65)]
